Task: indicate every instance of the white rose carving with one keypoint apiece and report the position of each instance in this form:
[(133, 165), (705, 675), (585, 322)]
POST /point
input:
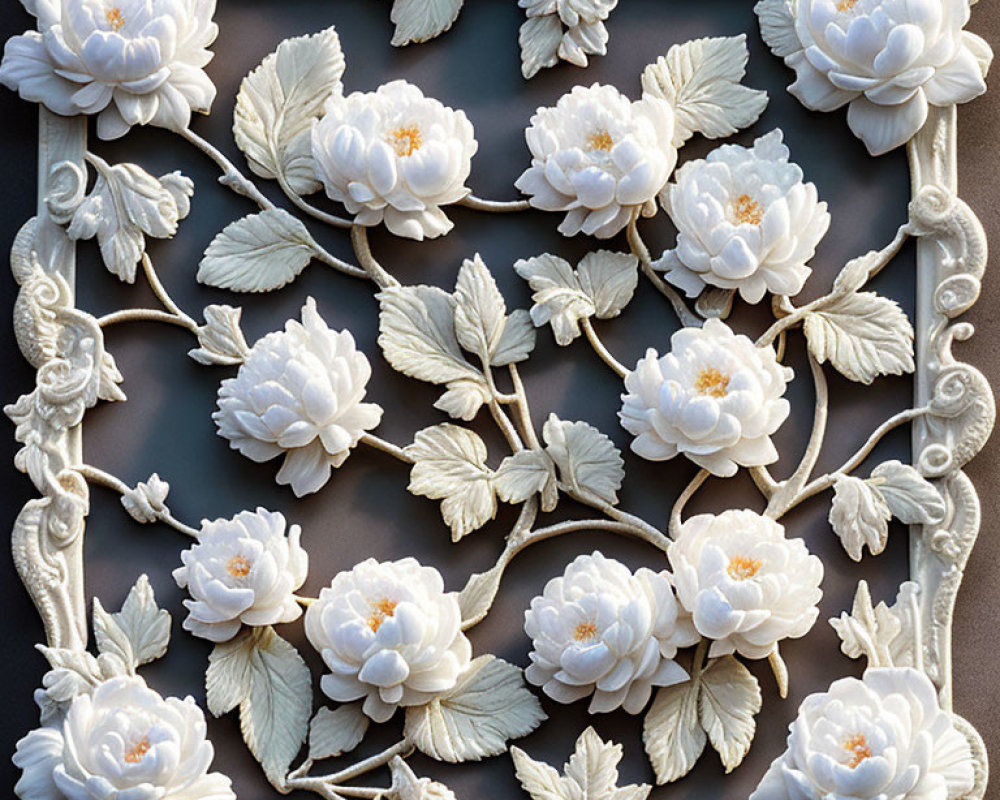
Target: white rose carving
[(888, 59), (243, 570), (883, 737), (299, 394), (745, 221), (133, 62), (394, 156), (389, 633), (715, 397), (602, 630), (123, 742), (745, 585), (600, 158)]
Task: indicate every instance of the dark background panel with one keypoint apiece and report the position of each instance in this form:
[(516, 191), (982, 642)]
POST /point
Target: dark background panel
[(365, 509)]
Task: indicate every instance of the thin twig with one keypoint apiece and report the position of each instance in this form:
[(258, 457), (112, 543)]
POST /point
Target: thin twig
[(506, 426), (619, 369), (639, 526), (689, 491), (687, 318), (161, 292), (765, 484), (360, 768), (303, 205), (495, 206), (363, 250), (523, 410), (231, 176), (144, 315), (386, 447)]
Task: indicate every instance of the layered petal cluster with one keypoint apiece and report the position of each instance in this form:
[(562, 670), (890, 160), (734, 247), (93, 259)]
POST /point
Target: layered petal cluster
[(745, 221), (132, 62), (243, 570), (745, 585), (888, 60), (122, 742), (389, 633), (581, 23), (299, 394), (394, 156), (600, 158), (715, 397), (883, 737), (602, 630)]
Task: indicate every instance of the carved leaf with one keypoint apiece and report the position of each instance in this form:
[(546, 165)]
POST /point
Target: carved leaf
[(777, 26), (417, 335), (590, 774), (221, 338), (524, 474), (148, 500), (517, 341), (609, 280), (859, 516), (111, 640), (477, 596), (588, 460), (278, 102), (227, 679), (911, 497), (332, 733), (258, 253), (702, 81), (450, 465), (274, 716), (886, 635), (863, 336), (672, 732), (420, 20), (144, 623), (463, 399), (480, 312), (730, 698), (539, 38), (489, 706)]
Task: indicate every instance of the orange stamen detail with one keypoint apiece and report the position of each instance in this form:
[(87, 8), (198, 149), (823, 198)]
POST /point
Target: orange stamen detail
[(585, 631), (740, 567), (115, 18), (136, 754), (380, 610), (858, 747), (601, 141), (748, 211), (238, 567), (405, 141), (712, 382)]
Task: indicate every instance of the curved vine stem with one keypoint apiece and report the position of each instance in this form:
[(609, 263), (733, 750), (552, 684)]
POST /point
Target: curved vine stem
[(494, 206), (306, 207), (327, 785), (522, 408), (605, 355), (371, 267), (393, 450), (143, 315), (689, 491), (687, 318)]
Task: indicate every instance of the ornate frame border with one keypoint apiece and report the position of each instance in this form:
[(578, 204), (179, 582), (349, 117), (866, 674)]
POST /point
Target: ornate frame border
[(951, 259)]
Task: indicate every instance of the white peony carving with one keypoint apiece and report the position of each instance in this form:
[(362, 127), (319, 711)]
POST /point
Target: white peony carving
[(745, 585), (132, 62), (394, 156), (390, 634), (123, 742), (602, 630), (715, 397), (299, 393), (243, 570), (600, 158), (888, 60), (745, 221), (883, 737)]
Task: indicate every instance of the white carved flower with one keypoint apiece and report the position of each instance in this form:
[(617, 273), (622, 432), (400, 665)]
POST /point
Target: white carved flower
[(123, 742), (133, 62), (715, 397), (745, 221), (389, 633), (883, 737), (745, 585), (887, 59), (394, 156), (602, 630), (243, 570), (600, 158), (299, 393)]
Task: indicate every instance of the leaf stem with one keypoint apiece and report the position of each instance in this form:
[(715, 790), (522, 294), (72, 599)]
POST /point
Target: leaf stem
[(371, 267), (303, 205), (231, 176), (143, 315), (393, 450), (163, 295), (605, 355), (523, 409), (689, 491), (326, 784), (638, 526), (494, 206), (638, 246)]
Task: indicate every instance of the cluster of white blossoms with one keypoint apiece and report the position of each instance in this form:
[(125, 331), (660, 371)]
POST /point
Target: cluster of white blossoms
[(580, 23), (600, 158), (887, 60), (242, 571), (715, 397), (123, 742), (299, 394), (745, 221), (133, 62), (389, 633), (394, 156), (745, 585), (883, 737), (602, 630)]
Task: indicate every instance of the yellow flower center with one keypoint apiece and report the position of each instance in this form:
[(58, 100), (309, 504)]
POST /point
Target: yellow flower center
[(115, 18), (380, 610), (747, 211), (712, 382), (585, 631), (857, 746), (600, 140), (846, 5), (741, 567), (136, 753), (238, 567), (405, 141)]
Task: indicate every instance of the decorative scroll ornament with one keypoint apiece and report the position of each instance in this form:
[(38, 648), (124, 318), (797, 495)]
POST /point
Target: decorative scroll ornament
[(666, 644)]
